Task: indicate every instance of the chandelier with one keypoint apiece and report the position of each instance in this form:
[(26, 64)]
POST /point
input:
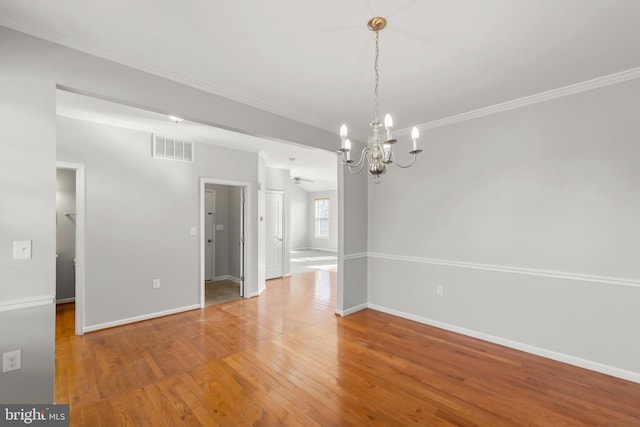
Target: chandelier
[(377, 155)]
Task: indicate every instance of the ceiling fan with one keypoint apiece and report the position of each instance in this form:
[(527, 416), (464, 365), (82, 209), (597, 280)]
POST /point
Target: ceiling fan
[(298, 180)]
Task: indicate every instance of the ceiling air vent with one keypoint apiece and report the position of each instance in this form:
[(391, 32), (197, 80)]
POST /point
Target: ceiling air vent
[(172, 148)]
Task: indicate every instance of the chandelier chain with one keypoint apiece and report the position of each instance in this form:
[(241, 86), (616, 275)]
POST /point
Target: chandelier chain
[(376, 118)]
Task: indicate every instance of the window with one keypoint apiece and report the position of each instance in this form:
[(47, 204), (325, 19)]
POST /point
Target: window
[(322, 218)]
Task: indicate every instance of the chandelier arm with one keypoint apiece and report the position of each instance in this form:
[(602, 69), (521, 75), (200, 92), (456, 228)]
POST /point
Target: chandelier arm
[(415, 156), (357, 167)]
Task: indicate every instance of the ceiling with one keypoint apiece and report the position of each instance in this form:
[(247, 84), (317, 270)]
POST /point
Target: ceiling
[(313, 61)]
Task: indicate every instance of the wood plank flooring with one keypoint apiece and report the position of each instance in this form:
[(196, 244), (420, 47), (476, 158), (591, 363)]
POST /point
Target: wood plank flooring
[(284, 358)]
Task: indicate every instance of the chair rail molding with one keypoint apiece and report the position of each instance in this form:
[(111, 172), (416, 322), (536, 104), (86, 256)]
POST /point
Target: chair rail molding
[(606, 280), (26, 302)]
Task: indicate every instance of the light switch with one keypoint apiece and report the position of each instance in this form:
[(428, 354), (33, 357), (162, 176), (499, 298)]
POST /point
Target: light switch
[(22, 249), (192, 231), (219, 227)]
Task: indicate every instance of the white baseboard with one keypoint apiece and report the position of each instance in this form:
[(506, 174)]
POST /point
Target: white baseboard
[(139, 318), (260, 291), (226, 277), (549, 354), (352, 310), (65, 300)]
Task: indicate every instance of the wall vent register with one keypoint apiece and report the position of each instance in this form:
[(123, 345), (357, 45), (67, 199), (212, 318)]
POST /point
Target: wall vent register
[(168, 148)]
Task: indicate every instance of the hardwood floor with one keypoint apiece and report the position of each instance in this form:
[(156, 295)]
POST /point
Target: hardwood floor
[(285, 359)]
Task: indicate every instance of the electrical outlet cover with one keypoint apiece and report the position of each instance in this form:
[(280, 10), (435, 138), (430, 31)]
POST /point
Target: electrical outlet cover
[(11, 361)]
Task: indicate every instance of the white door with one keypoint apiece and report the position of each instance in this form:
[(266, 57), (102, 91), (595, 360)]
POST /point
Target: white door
[(209, 234), (273, 233)]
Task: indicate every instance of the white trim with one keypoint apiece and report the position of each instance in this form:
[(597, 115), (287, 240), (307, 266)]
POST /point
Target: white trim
[(260, 291), (80, 241), (549, 354), (351, 310), (600, 82), (606, 280), (356, 256), (140, 318), (226, 277), (27, 302), (323, 250), (65, 300)]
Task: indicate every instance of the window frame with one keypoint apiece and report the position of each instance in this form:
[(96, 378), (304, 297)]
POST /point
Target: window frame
[(322, 219)]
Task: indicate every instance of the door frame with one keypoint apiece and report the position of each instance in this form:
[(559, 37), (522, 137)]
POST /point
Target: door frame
[(215, 241), (245, 256), (79, 168)]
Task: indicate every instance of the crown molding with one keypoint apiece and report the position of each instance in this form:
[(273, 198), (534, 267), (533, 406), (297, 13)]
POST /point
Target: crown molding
[(599, 82)]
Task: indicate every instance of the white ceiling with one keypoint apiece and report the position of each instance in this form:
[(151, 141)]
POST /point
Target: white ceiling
[(313, 60)]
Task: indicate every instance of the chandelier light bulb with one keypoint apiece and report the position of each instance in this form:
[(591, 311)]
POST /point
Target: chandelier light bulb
[(347, 145), (343, 132), (415, 135), (388, 125)]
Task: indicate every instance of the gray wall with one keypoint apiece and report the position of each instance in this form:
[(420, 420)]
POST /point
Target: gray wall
[(139, 211), (330, 244), (27, 120), (299, 213), (529, 220), (31, 69), (228, 239), (352, 239), (65, 234)]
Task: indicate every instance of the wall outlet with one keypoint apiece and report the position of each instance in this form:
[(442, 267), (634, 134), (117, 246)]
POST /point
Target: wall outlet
[(11, 360), (440, 290), (156, 283), (22, 249)]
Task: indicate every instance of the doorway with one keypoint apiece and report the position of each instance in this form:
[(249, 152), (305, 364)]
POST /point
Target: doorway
[(222, 241), (274, 235), (70, 220)]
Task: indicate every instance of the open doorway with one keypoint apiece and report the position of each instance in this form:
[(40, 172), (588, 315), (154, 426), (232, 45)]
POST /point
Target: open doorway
[(222, 238), (314, 243), (70, 241)]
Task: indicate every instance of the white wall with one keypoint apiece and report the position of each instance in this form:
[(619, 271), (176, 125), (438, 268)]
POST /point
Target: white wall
[(529, 220), (330, 244), (65, 234), (299, 213)]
